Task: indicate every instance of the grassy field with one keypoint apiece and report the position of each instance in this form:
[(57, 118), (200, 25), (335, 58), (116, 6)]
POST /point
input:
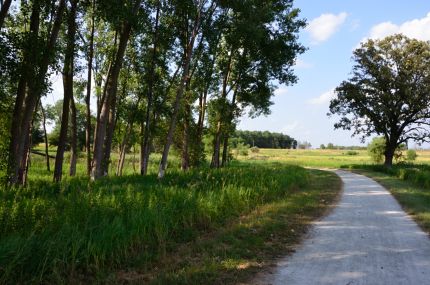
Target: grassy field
[(139, 228), (199, 227), (326, 158)]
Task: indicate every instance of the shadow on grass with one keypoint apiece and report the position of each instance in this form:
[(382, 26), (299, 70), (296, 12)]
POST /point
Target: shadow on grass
[(248, 244)]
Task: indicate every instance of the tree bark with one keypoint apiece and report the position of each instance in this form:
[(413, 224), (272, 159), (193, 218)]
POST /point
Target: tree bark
[(111, 90), (48, 167), (27, 71), (123, 148), (3, 12), (185, 157), (35, 89), (226, 134), (215, 163), (179, 94), (146, 133), (68, 91), (88, 95), (74, 141)]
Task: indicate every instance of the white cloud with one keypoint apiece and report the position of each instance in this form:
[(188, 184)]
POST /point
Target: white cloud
[(323, 98), (323, 27), (281, 91), (301, 64), (417, 28), (291, 127)]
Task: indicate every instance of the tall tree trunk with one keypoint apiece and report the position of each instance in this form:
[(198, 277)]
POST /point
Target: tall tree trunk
[(27, 71), (185, 157), (35, 89), (68, 91), (111, 90), (48, 167), (146, 133), (27, 157), (179, 93), (109, 136), (3, 12), (215, 163), (88, 95), (227, 133), (123, 148), (74, 141)]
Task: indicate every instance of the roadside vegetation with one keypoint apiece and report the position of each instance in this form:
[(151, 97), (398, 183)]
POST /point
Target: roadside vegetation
[(80, 231)]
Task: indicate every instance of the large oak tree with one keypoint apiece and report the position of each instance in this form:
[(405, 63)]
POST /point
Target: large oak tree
[(388, 93)]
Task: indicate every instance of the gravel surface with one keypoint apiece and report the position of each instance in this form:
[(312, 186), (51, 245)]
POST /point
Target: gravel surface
[(367, 239)]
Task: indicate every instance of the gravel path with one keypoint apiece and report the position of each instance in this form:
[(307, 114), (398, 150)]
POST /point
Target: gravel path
[(367, 239)]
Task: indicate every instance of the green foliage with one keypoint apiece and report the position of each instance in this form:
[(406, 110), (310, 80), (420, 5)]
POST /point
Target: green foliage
[(411, 155), (49, 231), (376, 149), (383, 96), (264, 139), (352, 152), (254, 149)]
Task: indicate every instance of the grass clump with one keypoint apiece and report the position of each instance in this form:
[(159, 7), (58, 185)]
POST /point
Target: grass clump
[(76, 230)]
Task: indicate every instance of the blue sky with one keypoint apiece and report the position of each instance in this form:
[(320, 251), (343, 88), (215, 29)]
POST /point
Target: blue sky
[(335, 28)]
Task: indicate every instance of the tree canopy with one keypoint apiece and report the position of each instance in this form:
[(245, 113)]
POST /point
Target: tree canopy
[(388, 93)]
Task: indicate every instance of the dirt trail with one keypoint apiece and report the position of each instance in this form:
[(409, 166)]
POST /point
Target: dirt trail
[(367, 239)]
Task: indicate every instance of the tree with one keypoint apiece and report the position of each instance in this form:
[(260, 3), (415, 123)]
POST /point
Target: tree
[(388, 93), (68, 74)]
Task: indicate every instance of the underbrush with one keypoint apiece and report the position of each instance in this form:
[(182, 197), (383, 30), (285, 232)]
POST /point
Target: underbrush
[(52, 233)]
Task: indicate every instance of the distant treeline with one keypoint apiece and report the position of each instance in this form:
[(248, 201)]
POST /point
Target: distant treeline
[(341, 147), (265, 139)]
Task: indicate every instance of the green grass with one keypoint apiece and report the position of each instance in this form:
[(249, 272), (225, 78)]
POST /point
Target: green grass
[(326, 158), (80, 231), (248, 244), (410, 185)]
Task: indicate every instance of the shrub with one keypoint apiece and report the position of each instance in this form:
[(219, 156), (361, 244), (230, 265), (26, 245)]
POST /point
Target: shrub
[(352, 152), (411, 155), (255, 149)]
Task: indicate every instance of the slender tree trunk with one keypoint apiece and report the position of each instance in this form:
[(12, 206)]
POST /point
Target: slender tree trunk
[(48, 167), (27, 157), (185, 158), (123, 148), (74, 142), (88, 95), (227, 133), (68, 91), (215, 163), (109, 136), (3, 12), (179, 93), (35, 89), (111, 90), (27, 72), (147, 131)]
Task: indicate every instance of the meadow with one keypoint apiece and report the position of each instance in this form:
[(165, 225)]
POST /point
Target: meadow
[(213, 226), (128, 228)]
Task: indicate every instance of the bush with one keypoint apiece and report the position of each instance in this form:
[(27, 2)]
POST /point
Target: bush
[(411, 155), (255, 149), (352, 152), (376, 149)]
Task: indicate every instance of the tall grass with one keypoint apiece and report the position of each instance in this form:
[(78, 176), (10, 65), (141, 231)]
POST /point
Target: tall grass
[(56, 233)]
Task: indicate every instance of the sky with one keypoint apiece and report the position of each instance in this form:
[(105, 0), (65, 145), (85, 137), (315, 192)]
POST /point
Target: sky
[(335, 28)]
